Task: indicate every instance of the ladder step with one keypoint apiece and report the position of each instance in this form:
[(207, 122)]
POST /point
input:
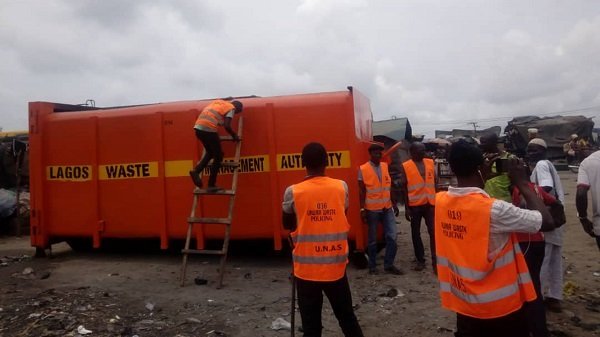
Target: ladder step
[(230, 164), (221, 221), (202, 251), (227, 138), (202, 191)]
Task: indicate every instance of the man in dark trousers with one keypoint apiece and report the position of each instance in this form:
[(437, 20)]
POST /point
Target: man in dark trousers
[(419, 185), (315, 211), (482, 272), (216, 113), (498, 186)]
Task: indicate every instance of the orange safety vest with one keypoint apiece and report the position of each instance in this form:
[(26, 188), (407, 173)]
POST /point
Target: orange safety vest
[(214, 113), (470, 284), (378, 191), (420, 192), (321, 238)]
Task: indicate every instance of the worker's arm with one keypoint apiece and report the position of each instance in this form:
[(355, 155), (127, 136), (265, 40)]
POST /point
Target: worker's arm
[(289, 221), (581, 202), (488, 163), (404, 184), (518, 176), (227, 126), (362, 194), (288, 214), (394, 203)]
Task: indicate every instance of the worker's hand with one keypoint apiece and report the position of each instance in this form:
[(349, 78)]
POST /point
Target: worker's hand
[(396, 210), (407, 214), (363, 215), (488, 161), (588, 226), (517, 172), (236, 138)]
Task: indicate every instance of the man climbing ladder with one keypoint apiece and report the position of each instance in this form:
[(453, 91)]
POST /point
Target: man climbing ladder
[(193, 219), (217, 112)]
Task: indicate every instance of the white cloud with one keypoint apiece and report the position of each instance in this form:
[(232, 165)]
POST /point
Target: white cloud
[(436, 63)]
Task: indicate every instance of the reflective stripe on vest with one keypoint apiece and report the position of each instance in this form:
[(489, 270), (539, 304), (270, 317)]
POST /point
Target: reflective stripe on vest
[(470, 284), (378, 191), (420, 191), (212, 115), (321, 259), (321, 238), (494, 295), (477, 275)]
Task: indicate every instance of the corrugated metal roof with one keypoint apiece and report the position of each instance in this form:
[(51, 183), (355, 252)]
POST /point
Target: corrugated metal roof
[(397, 129)]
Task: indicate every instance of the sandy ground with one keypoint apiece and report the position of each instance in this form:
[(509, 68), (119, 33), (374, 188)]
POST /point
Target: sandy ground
[(133, 293)]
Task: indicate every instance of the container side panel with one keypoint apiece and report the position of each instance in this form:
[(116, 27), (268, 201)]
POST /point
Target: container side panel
[(129, 171), (70, 191)]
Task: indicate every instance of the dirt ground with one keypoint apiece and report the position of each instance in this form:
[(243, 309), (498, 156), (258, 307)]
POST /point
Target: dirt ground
[(133, 293)]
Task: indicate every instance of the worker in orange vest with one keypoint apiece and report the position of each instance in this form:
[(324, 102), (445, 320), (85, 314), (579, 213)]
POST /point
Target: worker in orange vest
[(481, 269), (377, 205), (216, 113), (418, 180), (315, 211)]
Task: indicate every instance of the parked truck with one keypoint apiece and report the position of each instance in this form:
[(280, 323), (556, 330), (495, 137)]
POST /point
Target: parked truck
[(122, 172)]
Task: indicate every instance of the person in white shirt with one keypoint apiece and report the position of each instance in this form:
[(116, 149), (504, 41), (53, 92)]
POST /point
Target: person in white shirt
[(588, 179), (504, 220), (544, 175)]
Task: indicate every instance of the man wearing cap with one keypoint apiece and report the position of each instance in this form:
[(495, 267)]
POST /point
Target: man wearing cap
[(377, 205), (532, 133), (588, 179), (544, 174)]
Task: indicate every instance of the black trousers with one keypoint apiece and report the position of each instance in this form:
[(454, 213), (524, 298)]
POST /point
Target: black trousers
[(416, 214), (212, 145), (512, 325), (536, 312), (310, 302)]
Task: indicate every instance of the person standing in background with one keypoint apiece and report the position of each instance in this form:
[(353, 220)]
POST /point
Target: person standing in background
[(588, 179), (544, 175), (378, 206), (419, 183)]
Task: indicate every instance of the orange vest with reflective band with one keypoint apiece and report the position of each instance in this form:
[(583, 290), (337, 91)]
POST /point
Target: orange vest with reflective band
[(420, 192), (214, 113), (378, 192), (470, 284), (321, 238)]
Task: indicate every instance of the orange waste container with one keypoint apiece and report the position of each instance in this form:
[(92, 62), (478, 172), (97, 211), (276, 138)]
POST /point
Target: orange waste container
[(122, 172)]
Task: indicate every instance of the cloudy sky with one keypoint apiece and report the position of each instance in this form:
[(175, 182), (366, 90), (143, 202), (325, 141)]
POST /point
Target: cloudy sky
[(442, 64)]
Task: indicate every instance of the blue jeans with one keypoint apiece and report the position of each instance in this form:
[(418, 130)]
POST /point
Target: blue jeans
[(385, 217)]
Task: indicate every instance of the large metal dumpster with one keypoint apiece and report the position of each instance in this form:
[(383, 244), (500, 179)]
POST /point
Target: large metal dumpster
[(123, 172)]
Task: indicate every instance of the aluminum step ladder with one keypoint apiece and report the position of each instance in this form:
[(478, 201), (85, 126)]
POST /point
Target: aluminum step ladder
[(193, 220)]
